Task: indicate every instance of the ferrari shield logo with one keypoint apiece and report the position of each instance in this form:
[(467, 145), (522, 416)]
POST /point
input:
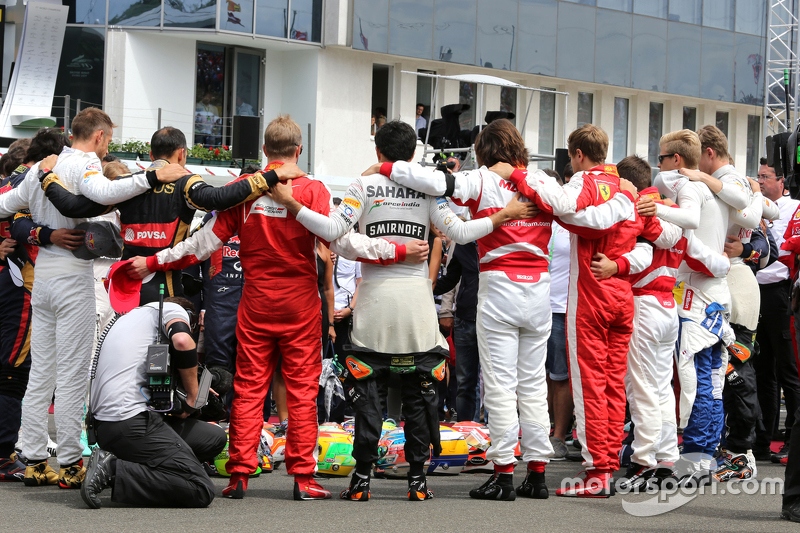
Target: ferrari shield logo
[(605, 191)]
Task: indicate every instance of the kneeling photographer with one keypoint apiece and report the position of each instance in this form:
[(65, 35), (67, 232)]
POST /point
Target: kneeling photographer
[(146, 458)]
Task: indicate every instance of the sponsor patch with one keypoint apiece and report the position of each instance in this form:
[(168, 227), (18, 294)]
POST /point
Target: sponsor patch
[(407, 360), (605, 190), (687, 300), (399, 228), (267, 207), (357, 368), (353, 202)]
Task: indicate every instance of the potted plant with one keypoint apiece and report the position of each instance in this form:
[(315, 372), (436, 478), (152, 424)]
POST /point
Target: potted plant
[(117, 148), (218, 156), (195, 154)]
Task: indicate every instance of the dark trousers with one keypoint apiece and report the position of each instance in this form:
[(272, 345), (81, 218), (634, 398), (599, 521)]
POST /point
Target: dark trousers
[(740, 401), (419, 409), (158, 459), (776, 364), (791, 488), (468, 366)]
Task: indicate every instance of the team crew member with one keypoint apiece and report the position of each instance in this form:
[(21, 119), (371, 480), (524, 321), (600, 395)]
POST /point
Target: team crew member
[(23, 237), (279, 264), (655, 323), (160, 218), (148, 459), (62, 300), (388, 333), (512, 338)]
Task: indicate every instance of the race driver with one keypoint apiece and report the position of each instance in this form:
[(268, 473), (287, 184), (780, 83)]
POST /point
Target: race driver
[(512, 337), (160, 218), (62, 301), (279, 314), (395, 328)]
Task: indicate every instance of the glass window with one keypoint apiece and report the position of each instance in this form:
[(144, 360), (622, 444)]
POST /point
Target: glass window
[(689, 118), (424, 98), (689, 11), (619, 5), (585, 105), (683, 60), (454, 31), (134, 13), (613, 53), (584, 2), (411, 28), (190, 14), (651, 8), (370, 25), (751, 16), (380, 96), (497, 34), (466, 95), (719, 14), (748, 78), (654, 132), (80, 71), (209, 94), (248, 86), (537, 36), (271, 18), (236, 16), (722, 122), (575, 42), (508, 102), (649, 69), (753, 143), (620, 129), (86, 11), (716, 72), (305, 22), (547, 125)]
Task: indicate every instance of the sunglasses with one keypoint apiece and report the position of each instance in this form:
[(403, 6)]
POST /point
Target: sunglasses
[(661, 158)]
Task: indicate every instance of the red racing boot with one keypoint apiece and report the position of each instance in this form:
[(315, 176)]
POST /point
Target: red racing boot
[(307, 488), (236, 487), (594, 485)]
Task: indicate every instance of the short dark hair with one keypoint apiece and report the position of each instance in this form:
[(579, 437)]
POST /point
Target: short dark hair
[(14, 157), (110, 158), (553, 174), (396, 141), (777, 170), (250, 168), (336, 201), (568, 172), (47, 141), (501, 141), (420, 104), (165, 141), (636, 170), (183, 302)]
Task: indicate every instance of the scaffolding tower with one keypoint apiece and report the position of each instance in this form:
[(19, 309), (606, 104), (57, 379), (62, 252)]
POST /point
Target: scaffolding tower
[(780, 109)]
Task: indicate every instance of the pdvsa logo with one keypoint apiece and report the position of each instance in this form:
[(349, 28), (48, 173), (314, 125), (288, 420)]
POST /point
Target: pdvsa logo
[(129, 234)]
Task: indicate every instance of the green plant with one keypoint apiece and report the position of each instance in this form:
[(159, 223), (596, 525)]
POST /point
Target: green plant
[(131, 145)]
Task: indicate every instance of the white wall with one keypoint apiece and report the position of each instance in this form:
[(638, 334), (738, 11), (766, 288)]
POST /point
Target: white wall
[(145, 71)]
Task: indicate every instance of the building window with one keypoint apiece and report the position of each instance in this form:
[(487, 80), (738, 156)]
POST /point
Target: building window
[(466, 95), (719, 14), (722, 121), (690, 118), (85, 12), (134, 13), (547, 126), (654, 132), (689, 11), (585, 105), (80, 71), (190, 14), (753, 143), (619, 5), (620, 129), (209, 94), (651, 8), (237, 16), (380, 97), (424, 98), (508, 102)]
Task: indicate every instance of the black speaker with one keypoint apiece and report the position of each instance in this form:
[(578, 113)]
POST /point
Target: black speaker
[(562, 158), (246, 143)]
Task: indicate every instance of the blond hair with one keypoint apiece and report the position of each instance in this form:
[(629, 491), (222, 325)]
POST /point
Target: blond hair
[(282, 137), (591, 140), (712, 137), (115, 169), (89, 121), (685, 143)]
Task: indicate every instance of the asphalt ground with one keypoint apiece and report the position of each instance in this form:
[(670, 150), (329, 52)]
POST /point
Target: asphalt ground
[(268, 506)]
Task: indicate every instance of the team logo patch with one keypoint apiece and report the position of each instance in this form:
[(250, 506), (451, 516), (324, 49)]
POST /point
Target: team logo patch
[(605, 190), (438, 372), (687, 301), (353, 202), (741, 352), (129, 235), (267, 207), (357, 368), (376, 203)]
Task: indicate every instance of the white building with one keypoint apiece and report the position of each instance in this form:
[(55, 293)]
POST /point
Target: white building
[(637, 68)]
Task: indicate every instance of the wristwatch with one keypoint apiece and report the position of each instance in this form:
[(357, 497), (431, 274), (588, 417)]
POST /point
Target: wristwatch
[(331, 325), (350, 307)]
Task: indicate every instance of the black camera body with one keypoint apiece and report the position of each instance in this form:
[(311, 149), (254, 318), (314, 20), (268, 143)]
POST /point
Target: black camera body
[(783, 154)]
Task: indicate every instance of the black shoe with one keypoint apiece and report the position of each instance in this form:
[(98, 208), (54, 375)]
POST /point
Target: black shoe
[(498, 487), (762, 454), (665, 478), (534, 486), (418, 489), (636, 478), (783, 452), (358, 491), (791, 510), (574, 456), (99, 476)]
